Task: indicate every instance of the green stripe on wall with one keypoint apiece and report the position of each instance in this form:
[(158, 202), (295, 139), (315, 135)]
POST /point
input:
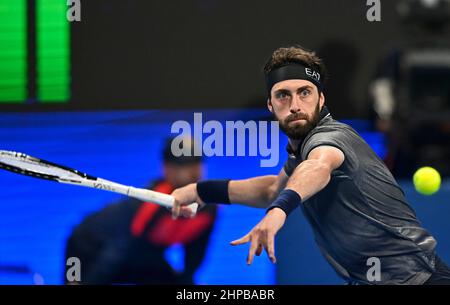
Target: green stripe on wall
[(13, 51), (53, 51)]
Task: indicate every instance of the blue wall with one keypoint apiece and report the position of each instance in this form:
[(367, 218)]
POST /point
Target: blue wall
[(37, 216)]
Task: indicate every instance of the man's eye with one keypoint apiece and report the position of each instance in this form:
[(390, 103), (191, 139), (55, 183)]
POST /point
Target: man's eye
[(305, 92), (281, 95)]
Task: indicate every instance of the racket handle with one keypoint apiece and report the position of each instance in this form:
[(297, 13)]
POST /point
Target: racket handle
[(157, 197)]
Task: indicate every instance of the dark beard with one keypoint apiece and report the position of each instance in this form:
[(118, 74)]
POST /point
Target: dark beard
[(299, 132)]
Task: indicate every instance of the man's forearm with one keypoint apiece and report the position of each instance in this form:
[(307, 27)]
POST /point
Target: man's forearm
[(258, 192), (310, 177), (255, 192)]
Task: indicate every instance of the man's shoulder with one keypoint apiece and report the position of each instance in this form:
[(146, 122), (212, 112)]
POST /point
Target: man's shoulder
[(331, 133), (329, 124), (330, 129)]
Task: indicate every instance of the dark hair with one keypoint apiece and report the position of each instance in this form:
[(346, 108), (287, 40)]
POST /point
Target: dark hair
[(295, 54)]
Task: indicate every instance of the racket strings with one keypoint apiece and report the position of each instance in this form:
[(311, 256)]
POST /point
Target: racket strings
[(27, 165), (27, 172)]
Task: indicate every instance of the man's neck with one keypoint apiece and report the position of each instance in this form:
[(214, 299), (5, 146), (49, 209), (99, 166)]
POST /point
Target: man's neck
[(294, 144)]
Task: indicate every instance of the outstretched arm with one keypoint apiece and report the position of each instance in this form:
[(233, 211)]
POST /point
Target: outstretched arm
[(256, 192), (310, 177)]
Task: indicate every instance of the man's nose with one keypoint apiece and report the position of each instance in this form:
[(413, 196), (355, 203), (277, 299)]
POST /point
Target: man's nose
[(295, 104)]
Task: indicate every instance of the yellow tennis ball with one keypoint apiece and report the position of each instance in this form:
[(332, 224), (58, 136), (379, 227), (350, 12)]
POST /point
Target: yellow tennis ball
[(427, 180)]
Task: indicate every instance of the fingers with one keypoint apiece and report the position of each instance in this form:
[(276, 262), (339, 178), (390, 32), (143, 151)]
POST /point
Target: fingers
[(255, 246), (240, 241), (176, 209), (251, 252), (270, 247), (261, 237), (259, 242), (182, 197), (259, 250), (186, 212)]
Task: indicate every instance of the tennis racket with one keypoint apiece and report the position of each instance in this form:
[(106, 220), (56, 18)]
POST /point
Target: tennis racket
[(30, 166)]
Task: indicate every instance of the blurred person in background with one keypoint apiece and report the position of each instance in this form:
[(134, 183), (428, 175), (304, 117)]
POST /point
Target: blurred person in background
[(126, 242), (410, 92)]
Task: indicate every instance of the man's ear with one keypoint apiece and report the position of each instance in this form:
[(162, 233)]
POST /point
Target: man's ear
[(269, 105), (321, 100)]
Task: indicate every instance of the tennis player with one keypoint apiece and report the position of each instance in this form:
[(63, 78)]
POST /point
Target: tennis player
[(352, 202)]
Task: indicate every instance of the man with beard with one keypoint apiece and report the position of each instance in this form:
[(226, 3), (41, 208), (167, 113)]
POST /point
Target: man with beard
[(355, 207)]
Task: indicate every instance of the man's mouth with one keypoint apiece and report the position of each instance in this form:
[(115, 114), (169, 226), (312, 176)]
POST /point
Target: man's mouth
[(296, 120)]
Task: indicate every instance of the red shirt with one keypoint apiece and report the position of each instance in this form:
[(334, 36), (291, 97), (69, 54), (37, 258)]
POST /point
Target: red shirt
[(156, 223)]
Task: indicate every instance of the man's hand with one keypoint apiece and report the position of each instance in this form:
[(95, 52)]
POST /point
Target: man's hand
[(183, 197), (263, 235)]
